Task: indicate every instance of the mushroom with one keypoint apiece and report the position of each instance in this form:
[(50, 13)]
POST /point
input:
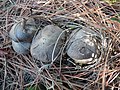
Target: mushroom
[(44, 42), (81, 47), (23, 32), (21, 47)]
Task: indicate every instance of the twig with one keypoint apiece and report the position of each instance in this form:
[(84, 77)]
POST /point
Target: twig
[(5, 74)]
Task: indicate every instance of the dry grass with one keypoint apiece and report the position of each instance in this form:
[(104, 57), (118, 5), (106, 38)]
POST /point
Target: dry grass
[(21, 71)]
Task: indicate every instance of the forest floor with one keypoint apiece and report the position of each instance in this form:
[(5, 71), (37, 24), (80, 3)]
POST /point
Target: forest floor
[(22, 72)]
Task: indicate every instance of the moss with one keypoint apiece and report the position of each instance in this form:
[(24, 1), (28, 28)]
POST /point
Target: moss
[(112, 1)]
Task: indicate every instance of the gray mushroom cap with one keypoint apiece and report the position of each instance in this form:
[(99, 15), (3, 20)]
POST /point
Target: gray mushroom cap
[(81, 46), (43, 43), (21, 47), (19, 33)]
